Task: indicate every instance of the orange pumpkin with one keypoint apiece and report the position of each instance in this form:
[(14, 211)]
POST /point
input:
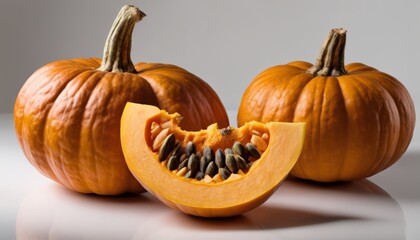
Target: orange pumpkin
[(359, 120), (67, 114)]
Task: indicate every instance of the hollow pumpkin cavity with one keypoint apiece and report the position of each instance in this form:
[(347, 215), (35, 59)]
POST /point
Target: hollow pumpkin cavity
[(212, 172), (206, 157)]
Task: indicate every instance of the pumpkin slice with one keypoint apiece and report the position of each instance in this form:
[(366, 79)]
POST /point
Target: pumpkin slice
[(248, 163)]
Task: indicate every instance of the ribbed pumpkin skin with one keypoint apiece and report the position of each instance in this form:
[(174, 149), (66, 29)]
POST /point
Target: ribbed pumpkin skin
[(180, 91), (67, 119), (357, 124), (67, 115)]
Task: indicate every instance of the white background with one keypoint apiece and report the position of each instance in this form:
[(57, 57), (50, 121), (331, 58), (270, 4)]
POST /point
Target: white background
[(227, 43)]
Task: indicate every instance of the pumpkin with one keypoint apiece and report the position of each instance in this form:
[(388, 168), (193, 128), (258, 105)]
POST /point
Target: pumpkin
[(359, 120), (67, 114), (209, 173)]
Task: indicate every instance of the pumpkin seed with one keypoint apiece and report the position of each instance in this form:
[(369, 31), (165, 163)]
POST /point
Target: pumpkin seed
[(156, 129), (211, 169), (241, 163), (265, 137), (167, 147), (190, 148), (259, 142), (208, 179), (193, 164), (173, 163), (190, 174), (183, 163), (239, 149), (217, 178), (234, 176), (182, 172), (224, 173), (177, 150), (255, 132), (167, 124), (220, 158), (159, 139), (231, 163), (203, 164), (253, 150), (183, 157), (199, 176), (208, 153), (229, 151)]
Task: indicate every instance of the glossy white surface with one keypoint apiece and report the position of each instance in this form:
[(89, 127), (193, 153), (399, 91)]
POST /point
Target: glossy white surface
[(386, 206)]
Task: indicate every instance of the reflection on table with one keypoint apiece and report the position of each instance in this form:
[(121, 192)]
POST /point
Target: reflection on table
[(297, 210)]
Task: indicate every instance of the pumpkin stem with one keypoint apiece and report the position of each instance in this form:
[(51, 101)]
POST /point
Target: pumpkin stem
[(330, 61), (117, 48)]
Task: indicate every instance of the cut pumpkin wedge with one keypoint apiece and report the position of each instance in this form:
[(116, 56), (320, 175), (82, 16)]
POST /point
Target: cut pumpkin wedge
[(212, 172)]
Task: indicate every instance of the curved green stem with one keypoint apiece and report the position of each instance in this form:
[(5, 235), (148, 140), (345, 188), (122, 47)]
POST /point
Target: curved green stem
[(116, 57)]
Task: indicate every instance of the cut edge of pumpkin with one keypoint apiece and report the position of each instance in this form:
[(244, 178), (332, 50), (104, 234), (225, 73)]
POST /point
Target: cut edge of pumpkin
[(219, 199)]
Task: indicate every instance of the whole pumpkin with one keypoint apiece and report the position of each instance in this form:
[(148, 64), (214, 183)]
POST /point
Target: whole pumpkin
[(67, 114), (359, 120)]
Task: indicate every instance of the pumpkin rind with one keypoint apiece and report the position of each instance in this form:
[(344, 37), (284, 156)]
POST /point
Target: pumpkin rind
[(220, 199), (358, 123), (67, 114)]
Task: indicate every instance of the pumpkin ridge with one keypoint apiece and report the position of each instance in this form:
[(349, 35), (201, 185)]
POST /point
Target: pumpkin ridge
[(276, 83), (340, 169), (365, 118), (318, 109), (366, 88), (381, 165), (298, 99), (82, 115), (187, 84), (353, 82), (404, 121), (334, 91), (60, 168), (313, 87), (299, 93), (43, 122)]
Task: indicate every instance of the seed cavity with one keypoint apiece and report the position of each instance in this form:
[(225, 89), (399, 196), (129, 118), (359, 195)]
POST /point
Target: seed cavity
[(204, 164)]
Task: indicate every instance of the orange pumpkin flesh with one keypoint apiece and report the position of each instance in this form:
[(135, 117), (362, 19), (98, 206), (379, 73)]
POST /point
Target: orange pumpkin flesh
[(226, 198), (67, 115), (359, 120)]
